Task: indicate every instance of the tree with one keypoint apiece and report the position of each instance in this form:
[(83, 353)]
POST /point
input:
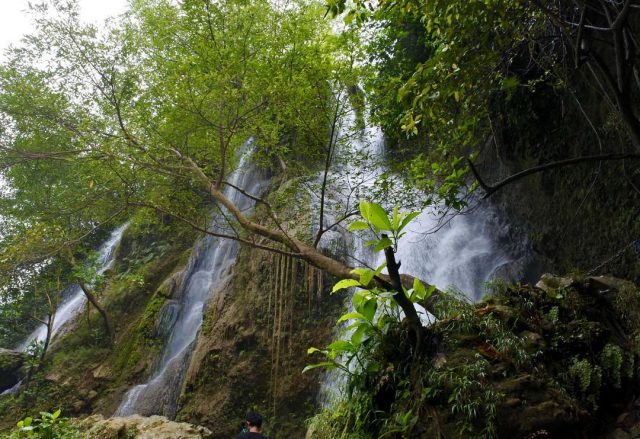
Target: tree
[(152, 115), (40, 261), (439, 67)]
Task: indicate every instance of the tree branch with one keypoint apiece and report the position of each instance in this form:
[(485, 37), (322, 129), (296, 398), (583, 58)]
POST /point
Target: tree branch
[(212, 233), (490, 189)]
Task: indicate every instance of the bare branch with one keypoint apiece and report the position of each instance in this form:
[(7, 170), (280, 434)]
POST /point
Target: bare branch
[(490, 189), (206, 231)]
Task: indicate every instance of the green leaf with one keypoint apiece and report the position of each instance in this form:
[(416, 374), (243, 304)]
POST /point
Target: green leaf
[(375, 215), (359, 297), (365, 275), (357, 225), (327, 364), (351, 315), (383, 243), (368, 310), (56, 414), (418, 291), (313, 350), (379, 269), (345, 283), (341, 346), (407, 219), (359, 334)]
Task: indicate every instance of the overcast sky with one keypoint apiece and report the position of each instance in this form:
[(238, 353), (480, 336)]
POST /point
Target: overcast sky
[(14, 21)]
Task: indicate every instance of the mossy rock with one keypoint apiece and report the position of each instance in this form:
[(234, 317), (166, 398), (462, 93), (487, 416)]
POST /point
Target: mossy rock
[(11, 372)]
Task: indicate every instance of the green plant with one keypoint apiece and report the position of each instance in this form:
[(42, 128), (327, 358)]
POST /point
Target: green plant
[(34, 355), (468, 395), (373, 307), (48, 426), (611, 360), (582, 371)]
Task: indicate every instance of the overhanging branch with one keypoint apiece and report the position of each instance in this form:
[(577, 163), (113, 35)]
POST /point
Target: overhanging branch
[(490, 189)]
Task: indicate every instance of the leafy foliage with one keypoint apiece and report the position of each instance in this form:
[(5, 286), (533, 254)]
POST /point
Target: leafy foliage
[(373, 308), (47, 426)]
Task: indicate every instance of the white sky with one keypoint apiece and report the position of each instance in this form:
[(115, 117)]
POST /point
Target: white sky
[(15, 22)]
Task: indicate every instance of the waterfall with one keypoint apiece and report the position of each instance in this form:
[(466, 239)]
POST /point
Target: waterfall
[(210, 267), (460, 252), (75, 299)]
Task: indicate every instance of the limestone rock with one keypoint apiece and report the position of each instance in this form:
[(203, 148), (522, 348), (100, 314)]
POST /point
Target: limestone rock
[(102, 372), (139, 427), (172, 284), (549, 282), (11, 363)]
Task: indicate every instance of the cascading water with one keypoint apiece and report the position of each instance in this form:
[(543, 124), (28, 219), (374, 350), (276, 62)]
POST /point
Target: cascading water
[(210, 267), (459, 251), (462, 252), (75, 299)]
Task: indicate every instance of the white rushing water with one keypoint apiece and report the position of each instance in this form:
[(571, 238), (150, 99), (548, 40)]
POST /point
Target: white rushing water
[(210, 266), (74, 301), (461, 252)]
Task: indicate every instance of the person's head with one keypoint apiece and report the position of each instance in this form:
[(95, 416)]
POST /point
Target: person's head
[(254, 422)]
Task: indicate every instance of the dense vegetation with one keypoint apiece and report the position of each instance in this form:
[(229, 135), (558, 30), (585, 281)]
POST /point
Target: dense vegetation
[(144, 120)]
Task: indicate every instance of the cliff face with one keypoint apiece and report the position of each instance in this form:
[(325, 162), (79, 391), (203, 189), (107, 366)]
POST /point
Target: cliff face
[(252, 347), (81, 374), (577, 217)]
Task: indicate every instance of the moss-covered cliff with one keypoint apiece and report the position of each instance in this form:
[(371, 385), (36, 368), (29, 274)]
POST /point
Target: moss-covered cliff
[(81, 373), (252, 347), (578, 217), (557, 360)]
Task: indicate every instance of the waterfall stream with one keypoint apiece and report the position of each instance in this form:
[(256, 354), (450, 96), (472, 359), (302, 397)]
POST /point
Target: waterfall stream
[(209, 268), (461, 252), (75, 299)]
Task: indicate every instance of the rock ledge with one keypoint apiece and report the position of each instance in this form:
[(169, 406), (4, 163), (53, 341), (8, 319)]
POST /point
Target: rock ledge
[(139, 427)]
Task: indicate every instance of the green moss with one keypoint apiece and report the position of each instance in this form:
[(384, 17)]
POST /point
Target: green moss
[(519, 362), (147, 326), (144, 259)]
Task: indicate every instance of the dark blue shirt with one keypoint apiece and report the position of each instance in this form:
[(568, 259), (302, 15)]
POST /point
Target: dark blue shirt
[(250, 435)]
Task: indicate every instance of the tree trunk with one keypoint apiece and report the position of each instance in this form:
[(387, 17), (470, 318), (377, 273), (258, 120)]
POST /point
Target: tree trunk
[(105, 318), (47, 339), (401, 298)]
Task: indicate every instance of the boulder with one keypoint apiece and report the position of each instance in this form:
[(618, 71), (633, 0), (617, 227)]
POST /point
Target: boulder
[(11, 372), (549, 282), (139, 427)]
